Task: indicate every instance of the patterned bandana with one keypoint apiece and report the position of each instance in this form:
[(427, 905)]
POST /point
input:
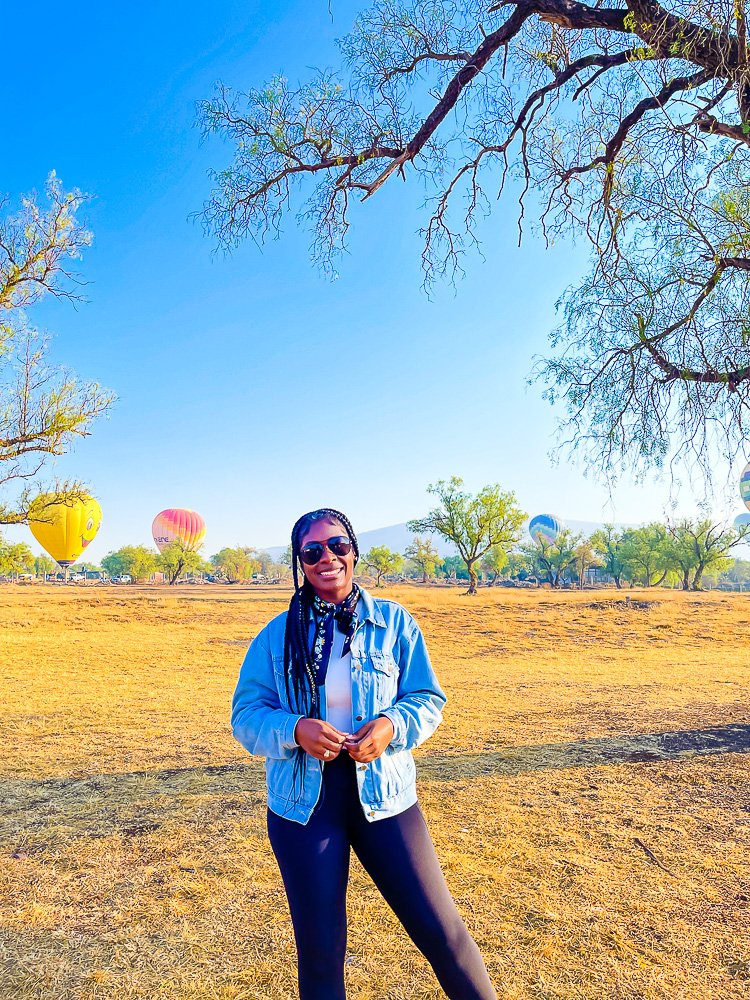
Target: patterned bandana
[(324, 615)]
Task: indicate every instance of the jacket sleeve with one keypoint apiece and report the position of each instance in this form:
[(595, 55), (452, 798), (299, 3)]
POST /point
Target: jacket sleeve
[(418, 709), (259, 722)]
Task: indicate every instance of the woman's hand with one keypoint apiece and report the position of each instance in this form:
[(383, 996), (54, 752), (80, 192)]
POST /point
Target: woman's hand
[(370, 740), (320, 739)]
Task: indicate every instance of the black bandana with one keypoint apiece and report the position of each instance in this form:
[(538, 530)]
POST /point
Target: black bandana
[(324, 615)]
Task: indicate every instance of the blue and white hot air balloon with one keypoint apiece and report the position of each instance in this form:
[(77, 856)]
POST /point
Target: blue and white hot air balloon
[(545, 528), (745, 485)]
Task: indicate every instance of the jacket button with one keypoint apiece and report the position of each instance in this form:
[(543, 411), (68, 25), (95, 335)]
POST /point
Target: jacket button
[(372, 814), (359, 718), (362, 767)]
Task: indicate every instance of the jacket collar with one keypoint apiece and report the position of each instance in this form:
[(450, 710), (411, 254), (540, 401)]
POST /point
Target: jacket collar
[(371, 611)]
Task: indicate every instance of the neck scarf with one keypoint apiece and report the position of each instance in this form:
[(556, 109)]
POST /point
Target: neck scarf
[(324, 616)]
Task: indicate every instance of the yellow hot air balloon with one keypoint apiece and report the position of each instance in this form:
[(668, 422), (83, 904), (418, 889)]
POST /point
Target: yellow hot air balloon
[(65, 527)]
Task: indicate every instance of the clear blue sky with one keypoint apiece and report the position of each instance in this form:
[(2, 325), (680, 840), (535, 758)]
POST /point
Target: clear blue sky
[(250, 388)]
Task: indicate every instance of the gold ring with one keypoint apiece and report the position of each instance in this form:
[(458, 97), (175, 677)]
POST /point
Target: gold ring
[(327, 753)]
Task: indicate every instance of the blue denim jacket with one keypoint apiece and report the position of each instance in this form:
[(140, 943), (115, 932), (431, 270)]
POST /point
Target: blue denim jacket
[(391, 676)]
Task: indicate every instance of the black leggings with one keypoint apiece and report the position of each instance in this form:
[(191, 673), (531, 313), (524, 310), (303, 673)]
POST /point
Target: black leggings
[(398, 855)]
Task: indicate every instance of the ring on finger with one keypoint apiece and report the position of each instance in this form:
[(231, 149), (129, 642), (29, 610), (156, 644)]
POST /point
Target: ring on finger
[(326, 753)]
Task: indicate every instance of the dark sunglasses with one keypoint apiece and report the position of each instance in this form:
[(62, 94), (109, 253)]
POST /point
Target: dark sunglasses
[(340, 545)]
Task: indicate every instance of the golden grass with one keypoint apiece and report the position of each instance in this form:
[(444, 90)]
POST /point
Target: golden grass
[(591, 857)]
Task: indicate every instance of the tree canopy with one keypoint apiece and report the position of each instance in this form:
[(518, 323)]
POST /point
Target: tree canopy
[(474, 523), (627, 125), (43, 407)]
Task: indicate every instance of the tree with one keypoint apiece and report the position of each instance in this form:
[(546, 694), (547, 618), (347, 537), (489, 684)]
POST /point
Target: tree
[(15, 559), (607, 543), (646, 554), (519, 567), (586, 557), (236, 564), (424, 555), (177, 558), (627, 124), (454, 568), (700, 546), (494, 563), (738, 573), (553, 559), (383, 562), (135, 561), (44, 566), (43, 408), (475, 524)]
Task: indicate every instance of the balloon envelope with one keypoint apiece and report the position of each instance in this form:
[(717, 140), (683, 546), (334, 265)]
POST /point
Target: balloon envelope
[(178, 524), (742, 520), (745, 485), (64, 528), (545, 527)]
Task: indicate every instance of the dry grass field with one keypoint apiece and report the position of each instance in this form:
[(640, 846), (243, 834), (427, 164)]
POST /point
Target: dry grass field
[(588, 793)]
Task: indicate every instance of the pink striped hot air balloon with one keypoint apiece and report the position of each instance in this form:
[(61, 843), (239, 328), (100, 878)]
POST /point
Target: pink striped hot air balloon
[(178, 524)]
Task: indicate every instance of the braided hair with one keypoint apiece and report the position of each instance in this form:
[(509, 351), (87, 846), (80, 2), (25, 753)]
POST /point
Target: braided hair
[(298, 660)]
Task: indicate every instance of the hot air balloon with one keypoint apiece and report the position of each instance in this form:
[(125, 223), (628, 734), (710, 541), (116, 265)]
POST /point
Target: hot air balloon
[(64, 527), (742, 521), (545, 528), (178, 524), (745, 485)]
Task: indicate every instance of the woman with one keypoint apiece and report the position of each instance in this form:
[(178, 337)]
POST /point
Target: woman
[(335, 693)]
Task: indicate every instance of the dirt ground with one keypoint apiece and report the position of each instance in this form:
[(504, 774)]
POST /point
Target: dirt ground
[(588, 794)]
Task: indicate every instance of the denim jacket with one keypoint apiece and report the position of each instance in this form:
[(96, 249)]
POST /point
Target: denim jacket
[(391, 676)]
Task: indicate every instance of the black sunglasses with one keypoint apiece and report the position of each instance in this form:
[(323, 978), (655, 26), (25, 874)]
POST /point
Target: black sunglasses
[(340, 545)]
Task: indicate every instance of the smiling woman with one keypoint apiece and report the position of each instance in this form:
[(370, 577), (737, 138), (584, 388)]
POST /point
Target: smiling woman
[(335, 693)]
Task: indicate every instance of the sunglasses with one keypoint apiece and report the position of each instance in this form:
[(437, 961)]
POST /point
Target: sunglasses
[(340, 545)]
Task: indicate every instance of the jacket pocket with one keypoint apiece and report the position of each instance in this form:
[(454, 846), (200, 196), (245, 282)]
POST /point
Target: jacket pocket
[(390, 775), (383, 679)]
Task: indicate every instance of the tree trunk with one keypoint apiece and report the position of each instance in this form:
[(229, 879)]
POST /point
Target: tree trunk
[(686, 579), (472, 580), (697, 579), (617, 582), (177, 572)]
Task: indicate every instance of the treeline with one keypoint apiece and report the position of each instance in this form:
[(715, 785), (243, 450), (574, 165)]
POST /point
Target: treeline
[(487, 530)]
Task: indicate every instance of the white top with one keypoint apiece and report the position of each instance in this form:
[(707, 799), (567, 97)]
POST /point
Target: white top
[(338, 686)]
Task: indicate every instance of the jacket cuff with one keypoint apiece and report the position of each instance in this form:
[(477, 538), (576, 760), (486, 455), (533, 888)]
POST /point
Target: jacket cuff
[(289, 741), (398, 740)]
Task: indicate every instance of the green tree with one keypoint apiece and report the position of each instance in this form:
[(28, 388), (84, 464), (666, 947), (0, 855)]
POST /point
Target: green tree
[(135, 561), (627, 125), (647, 554), (738, 573), (701, 547), (553, 559), (44, 566), (178, 558), (494, 563), (15, 558), (520, 566), (383, 562), (586, 557), (424, 555), (239, 563), (607, 543), (454, 568), (475, 524), (43, 408)]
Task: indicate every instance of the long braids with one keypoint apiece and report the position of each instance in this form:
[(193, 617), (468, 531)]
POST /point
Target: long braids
[(299, 673)]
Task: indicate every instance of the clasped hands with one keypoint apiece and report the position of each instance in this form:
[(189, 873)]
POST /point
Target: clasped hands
[(322, 740)]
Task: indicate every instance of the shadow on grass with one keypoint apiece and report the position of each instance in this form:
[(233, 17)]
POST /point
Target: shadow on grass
[(139, 802), (635, 748)]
